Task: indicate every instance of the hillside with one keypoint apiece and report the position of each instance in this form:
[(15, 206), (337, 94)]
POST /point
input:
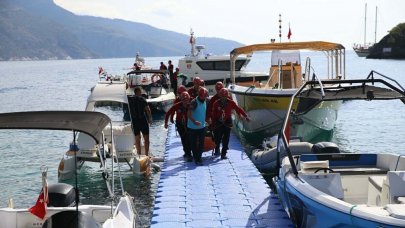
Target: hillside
[(392, 46), (39, 29)]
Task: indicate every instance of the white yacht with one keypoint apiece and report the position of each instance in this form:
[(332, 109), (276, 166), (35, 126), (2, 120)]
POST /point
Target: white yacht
[(213, 68)]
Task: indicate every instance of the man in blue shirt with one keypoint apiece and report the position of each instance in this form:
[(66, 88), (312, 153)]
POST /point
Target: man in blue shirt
[(196, 124)]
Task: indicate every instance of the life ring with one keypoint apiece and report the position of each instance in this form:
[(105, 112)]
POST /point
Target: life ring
[(154, 76)]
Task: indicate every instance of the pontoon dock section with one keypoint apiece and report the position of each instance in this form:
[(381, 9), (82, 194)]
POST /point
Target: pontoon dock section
[(221, 193)]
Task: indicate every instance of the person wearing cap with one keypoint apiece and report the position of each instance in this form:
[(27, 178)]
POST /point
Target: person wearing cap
[(196, 124), (218, 86), (193, 91), (180, 109), (180, 90), (222, 120)]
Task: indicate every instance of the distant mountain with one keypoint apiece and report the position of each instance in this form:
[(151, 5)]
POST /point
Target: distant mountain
[(392, 46), (40, 29)]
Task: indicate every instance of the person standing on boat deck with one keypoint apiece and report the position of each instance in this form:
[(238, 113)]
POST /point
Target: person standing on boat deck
[(180, 108), (141, 118), (222, 120), (193, 91), (162, 66), (173, 80), (196, 124)]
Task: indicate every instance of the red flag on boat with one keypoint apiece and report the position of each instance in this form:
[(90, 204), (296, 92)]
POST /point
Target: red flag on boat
[(100, 70), (39, 209), (289, 33)]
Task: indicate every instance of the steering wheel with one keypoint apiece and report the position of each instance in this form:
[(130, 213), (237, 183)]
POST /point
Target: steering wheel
[(324, 170)]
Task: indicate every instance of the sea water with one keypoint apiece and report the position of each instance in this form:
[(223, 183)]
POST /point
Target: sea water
[(66, 84)]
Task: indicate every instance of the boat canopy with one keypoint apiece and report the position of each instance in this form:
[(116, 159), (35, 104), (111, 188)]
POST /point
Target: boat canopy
[(334, 52), (106, 91), (310, 45), (91, 123)]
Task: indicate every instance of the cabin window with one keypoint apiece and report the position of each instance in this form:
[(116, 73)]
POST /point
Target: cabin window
[(220, 65)]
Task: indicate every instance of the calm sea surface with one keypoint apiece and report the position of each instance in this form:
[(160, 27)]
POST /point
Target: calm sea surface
[(65, 85)]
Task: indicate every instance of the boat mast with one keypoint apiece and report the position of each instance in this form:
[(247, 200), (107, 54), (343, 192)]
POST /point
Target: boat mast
[(192, 42), (365, 24), (279, 26), (375, 28)]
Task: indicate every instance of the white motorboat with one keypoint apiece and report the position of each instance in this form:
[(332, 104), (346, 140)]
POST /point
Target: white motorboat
[(111, 98), (63, 209), (155, 87), (213, 68), (266, 104), (341, 189)]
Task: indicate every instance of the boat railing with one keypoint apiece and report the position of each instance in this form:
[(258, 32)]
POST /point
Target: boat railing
[(307, 70), (371, 75)]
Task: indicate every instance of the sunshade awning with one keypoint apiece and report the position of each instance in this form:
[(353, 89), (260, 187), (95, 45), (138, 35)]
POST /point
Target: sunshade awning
[(91, 123), (148, 72), (310, 45)]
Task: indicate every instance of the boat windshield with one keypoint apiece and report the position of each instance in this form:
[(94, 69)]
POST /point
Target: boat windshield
[(222, 65), (285, 57)]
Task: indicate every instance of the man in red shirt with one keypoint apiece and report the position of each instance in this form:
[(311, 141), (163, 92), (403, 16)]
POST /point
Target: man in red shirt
[(222, 120), (180, 108), (218, 86), (193, 91)]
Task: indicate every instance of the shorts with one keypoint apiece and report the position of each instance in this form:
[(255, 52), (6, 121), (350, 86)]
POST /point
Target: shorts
[(141, 126)]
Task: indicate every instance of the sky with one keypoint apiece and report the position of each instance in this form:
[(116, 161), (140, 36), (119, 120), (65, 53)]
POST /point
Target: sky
[(255, 21)]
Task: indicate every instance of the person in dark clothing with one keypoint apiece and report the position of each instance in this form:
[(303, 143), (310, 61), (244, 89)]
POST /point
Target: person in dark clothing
[(222, 120), (141, 118), (180, 109), (196, 124), (162, 66), (173, 80)]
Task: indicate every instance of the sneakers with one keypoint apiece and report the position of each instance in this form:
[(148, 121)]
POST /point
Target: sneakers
[(217, 153), (188, 158), (199, 163)]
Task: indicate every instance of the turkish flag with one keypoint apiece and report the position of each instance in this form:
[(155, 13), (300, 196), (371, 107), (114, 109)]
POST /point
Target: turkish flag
[(39, 209), (289, 33)]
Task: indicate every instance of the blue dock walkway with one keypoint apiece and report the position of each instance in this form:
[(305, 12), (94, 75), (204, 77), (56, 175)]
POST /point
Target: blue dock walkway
[(221, 193)]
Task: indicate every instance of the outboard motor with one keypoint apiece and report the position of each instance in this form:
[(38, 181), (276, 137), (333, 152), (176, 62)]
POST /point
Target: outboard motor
[(70, 219), (325, 148), (61, 195)]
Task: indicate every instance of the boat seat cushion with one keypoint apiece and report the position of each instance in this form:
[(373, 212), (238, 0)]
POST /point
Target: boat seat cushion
[(396, 180), (396, 210), (377, 181), (329, 183)]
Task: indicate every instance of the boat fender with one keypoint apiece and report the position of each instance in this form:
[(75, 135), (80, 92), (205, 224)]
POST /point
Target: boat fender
[(155, 78), (104, 175)]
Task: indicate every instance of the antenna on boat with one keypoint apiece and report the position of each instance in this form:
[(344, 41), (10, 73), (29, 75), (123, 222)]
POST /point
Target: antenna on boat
[(192, 42), (279, 26)]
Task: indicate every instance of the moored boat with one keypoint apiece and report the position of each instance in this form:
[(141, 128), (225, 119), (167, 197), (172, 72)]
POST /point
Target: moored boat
[(267, 103), (111, 98), (58, 204), (213, 68), (345, 189)]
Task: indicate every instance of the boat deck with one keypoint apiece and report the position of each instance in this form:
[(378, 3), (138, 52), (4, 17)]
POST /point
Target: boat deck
[(221, 193)]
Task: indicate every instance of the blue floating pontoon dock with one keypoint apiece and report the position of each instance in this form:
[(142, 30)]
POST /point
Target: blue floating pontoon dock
[(221, 193)]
